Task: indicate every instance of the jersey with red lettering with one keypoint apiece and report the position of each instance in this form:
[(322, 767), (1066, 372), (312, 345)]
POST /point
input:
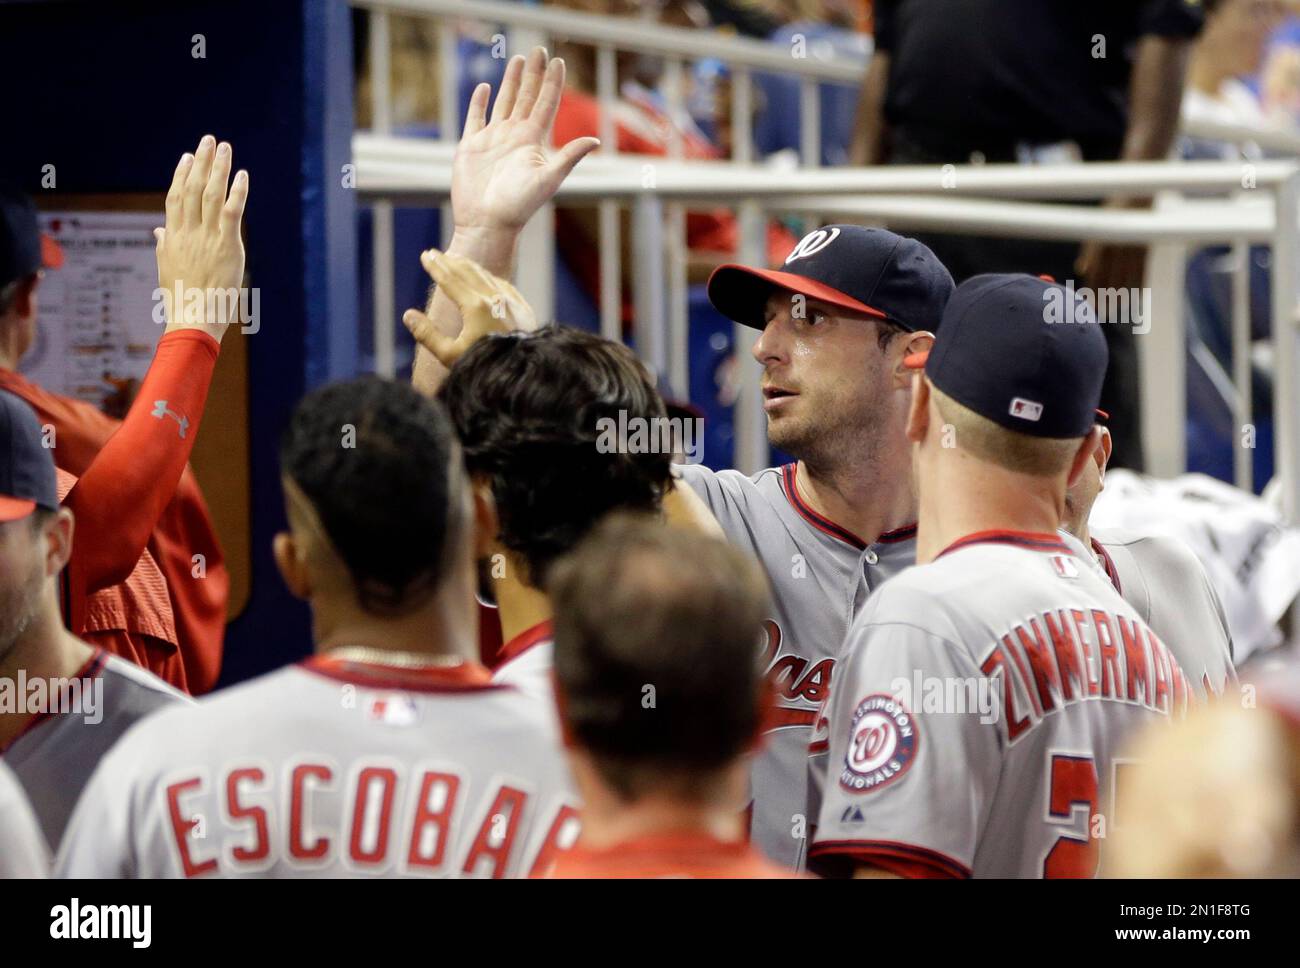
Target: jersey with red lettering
[(820, 574), (348, 764), (22, 845), (976, 723)]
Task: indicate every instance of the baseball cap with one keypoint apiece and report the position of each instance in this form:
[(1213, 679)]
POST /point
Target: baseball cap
[(24, 248), (1001, 356), (27, 476), (872, 271)]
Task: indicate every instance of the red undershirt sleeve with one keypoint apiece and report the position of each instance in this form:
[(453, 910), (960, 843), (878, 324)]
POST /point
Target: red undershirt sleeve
[(119, 498)]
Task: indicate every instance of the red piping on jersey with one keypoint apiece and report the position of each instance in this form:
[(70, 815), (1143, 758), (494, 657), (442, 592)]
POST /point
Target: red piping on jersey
[(541, 632), (1111, 572), (92, 669), (906, 860), (465, 677), (790, 473), (1033, 540)]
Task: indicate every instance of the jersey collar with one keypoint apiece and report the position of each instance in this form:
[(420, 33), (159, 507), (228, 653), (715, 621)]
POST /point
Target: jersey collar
[(463, 677), (1033, 540), (789, 475), (543, 631), (93, 668), (1104, 556)]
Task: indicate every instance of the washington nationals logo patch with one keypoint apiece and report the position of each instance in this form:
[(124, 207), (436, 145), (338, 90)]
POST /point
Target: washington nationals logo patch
[(882, 744)]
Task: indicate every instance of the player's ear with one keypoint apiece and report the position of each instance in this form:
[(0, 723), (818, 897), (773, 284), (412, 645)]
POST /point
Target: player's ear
[(57, 532), (1102, 455), (1087, 448), (292, 565), (918, 414), (486, 522), (921, 341)]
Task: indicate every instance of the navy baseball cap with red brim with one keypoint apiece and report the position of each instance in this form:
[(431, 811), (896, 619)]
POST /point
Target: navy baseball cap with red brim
[(24, 248), (870, 271), (27, 476), (1001, 356)]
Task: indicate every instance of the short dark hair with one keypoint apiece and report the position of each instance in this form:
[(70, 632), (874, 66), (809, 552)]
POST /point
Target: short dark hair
[(378, 462), (528, 408), (658, 634)]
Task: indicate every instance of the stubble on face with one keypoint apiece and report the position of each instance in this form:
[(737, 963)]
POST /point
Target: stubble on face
[(21, 582)]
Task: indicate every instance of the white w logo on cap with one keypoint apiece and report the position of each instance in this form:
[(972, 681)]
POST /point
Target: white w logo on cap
[(812, 243)]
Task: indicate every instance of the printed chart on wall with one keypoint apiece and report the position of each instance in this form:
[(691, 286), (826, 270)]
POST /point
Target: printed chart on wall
[(98, 328)]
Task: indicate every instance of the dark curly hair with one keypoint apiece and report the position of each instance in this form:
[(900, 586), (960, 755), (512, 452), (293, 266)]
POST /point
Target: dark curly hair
[(376, 460), (527, 409)]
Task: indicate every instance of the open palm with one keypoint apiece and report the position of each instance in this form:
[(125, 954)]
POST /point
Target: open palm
[(502, 173)]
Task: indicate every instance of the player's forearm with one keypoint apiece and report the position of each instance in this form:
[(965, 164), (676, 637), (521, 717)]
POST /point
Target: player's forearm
[(118, 500), (1155, 102), (492, 247), (869, 129)]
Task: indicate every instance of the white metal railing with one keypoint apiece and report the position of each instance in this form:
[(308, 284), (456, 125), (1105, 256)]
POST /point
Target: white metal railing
[(957, 199)]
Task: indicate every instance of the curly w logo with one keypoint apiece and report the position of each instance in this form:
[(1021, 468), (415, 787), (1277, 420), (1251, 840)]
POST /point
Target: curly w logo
[(812, 243)]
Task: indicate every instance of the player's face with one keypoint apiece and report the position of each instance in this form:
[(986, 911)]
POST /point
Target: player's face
[(22, 579), (826, 380)]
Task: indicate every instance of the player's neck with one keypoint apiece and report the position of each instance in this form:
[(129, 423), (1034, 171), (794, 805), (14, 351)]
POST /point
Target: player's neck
[(963, 497), (609, 820), (444, 627), (519, 606), (867, 499), (46, 650)]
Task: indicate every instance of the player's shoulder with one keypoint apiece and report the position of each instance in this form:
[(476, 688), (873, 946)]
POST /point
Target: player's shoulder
[(1163, 550), (698, 475), (139, 687)]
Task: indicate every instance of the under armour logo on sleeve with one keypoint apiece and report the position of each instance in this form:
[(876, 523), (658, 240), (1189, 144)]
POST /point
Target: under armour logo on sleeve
[(160, 410)]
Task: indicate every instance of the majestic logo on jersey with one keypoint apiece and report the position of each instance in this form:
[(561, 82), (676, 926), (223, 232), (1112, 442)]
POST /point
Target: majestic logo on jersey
[(1026, 409), (812, 243), (882, 744)]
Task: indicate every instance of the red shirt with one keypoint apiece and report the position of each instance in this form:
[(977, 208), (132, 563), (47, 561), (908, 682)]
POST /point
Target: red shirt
[(715, 231), (133, 619), (677, 855), (135, 493)]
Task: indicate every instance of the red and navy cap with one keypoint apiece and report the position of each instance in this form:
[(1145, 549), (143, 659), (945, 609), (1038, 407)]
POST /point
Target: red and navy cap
[(24, 248), (1009, 354), (27, 476), (870, 271)]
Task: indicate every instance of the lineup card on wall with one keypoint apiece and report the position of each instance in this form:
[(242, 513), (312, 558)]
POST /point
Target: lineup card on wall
[(96, 327)]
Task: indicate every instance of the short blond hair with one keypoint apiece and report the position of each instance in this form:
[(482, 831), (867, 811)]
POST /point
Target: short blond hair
[(1010, 449)]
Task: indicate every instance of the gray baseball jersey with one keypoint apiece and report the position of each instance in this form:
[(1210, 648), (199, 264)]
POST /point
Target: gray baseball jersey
[(820, 574), (976, 719), (1164, 580), (55, 756), (22, 845), (341, 766)]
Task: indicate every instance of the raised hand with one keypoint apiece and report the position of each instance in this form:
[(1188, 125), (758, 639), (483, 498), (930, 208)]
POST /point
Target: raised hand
[(488, 304), (503, 172), (200, 252)]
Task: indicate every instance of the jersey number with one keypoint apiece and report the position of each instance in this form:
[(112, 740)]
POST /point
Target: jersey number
[(1073, 782)]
